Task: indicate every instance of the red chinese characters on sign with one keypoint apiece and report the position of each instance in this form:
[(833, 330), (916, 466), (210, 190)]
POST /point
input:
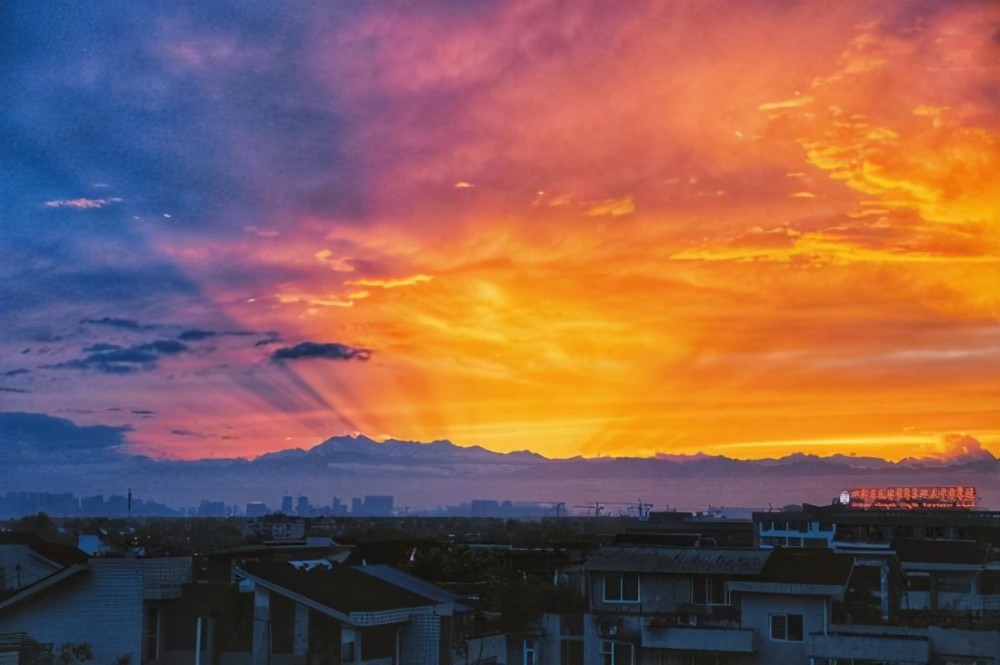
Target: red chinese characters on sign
[(909, 498)]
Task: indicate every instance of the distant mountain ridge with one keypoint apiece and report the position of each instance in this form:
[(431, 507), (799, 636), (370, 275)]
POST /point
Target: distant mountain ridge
[(363, 450)]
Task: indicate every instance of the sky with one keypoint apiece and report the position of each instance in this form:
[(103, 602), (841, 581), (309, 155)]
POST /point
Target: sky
[(579, 228)]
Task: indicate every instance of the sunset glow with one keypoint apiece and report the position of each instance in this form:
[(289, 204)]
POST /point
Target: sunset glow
[(580, 228)]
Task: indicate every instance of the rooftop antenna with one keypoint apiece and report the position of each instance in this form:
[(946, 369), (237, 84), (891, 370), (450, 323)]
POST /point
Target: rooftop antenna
[(130, 503)]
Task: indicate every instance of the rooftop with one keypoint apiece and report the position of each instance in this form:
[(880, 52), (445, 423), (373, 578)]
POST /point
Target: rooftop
[(340, 587), (677, 560)]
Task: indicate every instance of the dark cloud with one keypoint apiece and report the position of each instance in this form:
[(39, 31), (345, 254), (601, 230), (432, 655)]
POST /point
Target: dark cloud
[(20, 430), (143, 412), (184, 432), (95, 348), (127, 324), (13, 390), (265, 342), (328, 351), (195, 335), (126, 360), (166, 347), (15, 372)]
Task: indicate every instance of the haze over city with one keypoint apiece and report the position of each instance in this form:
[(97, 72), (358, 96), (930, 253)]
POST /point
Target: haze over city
[(579, 229)]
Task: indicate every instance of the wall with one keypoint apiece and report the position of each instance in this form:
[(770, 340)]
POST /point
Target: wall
[(756, 609), (657, 593), (102, 606)]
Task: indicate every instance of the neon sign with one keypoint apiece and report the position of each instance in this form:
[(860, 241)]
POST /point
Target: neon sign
[(913, 498)]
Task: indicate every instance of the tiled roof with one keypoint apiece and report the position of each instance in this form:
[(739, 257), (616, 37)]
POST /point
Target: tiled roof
[(63, 555), (677, 560), (340, 587), (409, 583), (807, 566)]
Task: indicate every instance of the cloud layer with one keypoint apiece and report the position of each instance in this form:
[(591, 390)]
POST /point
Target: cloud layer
[(571, 227)]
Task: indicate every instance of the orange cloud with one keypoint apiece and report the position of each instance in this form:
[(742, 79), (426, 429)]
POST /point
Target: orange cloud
[(787, 272)]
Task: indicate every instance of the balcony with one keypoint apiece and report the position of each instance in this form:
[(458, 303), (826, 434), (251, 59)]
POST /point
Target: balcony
[(886, 647), (691, 638)]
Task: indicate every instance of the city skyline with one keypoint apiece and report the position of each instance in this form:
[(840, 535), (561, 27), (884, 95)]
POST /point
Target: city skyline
[(571, 228)]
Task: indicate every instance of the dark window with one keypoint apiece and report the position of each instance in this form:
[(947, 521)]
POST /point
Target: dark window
[(621, 588), (571, 652), (617, 653), (708, 591), (786, 627), (153, 633)]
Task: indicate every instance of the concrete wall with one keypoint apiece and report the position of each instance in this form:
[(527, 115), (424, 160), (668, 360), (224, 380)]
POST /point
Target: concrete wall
[(420, 641), (101, 606), (755, 614), (983, 645), (657, 593)]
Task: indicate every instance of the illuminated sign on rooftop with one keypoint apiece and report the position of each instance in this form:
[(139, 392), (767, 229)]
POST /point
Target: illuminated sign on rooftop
[(912, 498)]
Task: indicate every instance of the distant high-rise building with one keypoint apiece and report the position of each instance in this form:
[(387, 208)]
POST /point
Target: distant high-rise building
[(211, 508), (378, 506), (117, 506), (356, 506), (286, 505), (257, 509), (303, 507), (484, 508), (337, 508), (92, 506)]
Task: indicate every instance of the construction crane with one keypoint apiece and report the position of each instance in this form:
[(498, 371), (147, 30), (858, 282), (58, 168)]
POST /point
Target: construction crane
[(596, 508), (638, 510)]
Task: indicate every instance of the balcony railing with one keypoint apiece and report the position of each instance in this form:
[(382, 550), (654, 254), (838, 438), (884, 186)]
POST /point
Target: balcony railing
[(889, 647), (689, 638)]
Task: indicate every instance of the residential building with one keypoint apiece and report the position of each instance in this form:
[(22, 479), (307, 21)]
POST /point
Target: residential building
[(115, 605), (345, 614)]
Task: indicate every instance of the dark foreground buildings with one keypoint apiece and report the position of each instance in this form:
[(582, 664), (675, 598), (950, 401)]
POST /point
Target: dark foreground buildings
[(818, 586)]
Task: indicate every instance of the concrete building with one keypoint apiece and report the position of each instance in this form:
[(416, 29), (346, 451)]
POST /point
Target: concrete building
[(114, 605), (846, 529), (343, 614), (676, 602), (667, 604)]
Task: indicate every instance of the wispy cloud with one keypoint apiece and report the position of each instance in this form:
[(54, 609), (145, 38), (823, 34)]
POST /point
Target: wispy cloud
[(390, 283), (82, 204)]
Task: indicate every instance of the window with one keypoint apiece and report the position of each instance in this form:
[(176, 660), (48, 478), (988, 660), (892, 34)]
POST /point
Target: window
[(621, 588), (920, 582), (786, 627), (707, 590), (348, 645), (571, 652), (153, 633), (617, 653), (528, 652)]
